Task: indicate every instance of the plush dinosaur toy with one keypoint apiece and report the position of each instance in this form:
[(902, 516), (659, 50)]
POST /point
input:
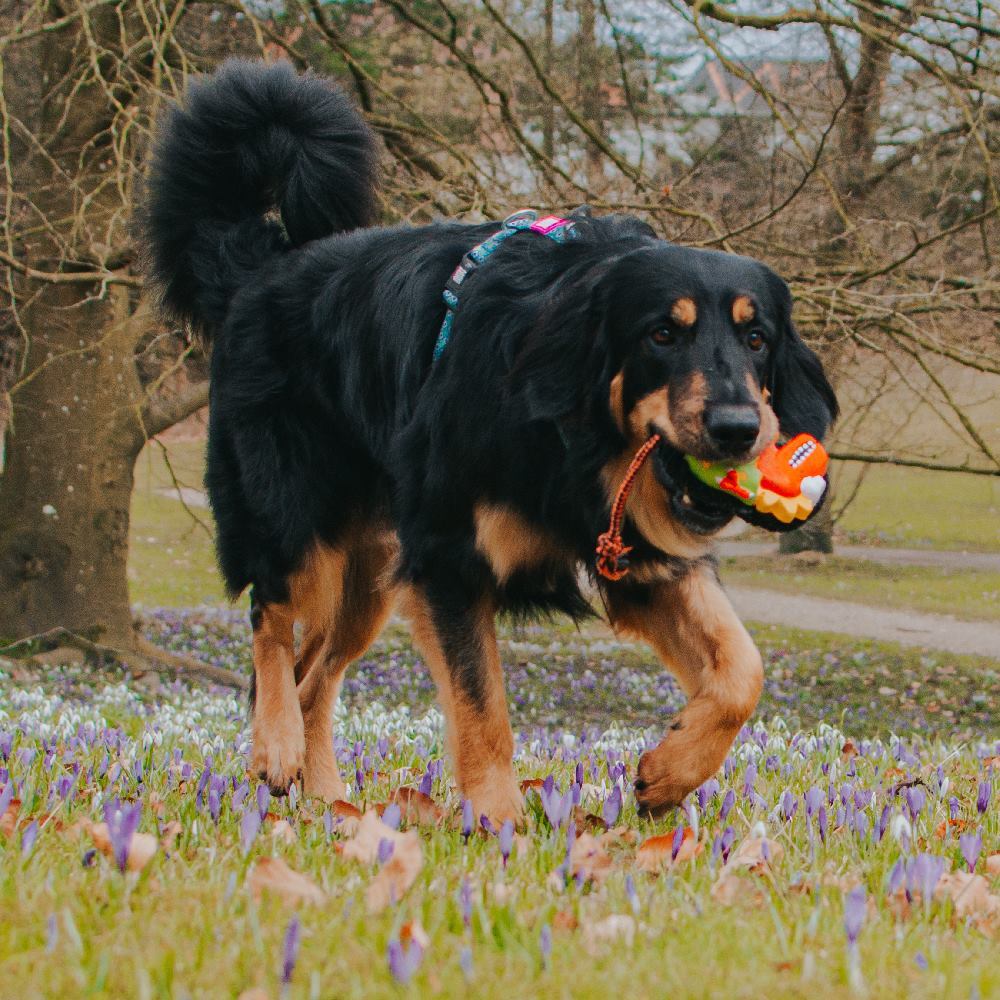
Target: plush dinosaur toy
[(786, 482)]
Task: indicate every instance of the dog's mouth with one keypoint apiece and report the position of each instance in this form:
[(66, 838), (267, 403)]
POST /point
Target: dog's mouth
[(697, 507)]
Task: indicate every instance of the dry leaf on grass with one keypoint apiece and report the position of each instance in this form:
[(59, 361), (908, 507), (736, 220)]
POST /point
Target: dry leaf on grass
[(970, 895), (398, 873), (755, 856), (416, 807), (588, 859), (993, 864), (170, 832), (617, 927), (140, 852), (656, 853), (349, 816), (255, 993), (273, 875), (282, 830), (8, 821)]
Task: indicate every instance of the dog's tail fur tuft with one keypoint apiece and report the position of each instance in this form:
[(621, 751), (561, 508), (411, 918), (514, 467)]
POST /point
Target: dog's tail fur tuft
[(252, 140)]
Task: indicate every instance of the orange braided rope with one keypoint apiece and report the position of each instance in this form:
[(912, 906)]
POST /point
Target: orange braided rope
[(612, 552)]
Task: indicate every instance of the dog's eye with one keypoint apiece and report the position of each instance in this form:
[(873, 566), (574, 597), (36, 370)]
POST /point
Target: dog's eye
[(755, 340), (663, 336)]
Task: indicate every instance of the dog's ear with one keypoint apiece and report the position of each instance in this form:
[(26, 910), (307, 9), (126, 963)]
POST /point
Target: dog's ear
[(801, 395), (561, 360)]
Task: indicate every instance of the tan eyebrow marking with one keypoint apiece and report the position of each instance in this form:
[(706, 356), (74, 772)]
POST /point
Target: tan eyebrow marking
[(684, 312), (743, 309)]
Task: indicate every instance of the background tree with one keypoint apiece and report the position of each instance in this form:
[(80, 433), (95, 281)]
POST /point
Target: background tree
[(851, 144)]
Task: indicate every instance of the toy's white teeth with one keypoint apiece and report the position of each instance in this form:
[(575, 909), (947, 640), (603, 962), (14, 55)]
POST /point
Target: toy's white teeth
[(813, 487)]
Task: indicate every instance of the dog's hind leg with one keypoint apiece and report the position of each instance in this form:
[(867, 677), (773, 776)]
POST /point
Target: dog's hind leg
[(693, 627), (459, 645), (365, 602)]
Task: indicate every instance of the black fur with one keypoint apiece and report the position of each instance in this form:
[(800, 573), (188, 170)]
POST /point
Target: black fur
[(327, 412)]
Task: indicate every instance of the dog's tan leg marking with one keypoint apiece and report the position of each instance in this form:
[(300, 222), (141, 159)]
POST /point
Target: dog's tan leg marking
[(364, 602), (278, 742), (479, 733), (694, 629)]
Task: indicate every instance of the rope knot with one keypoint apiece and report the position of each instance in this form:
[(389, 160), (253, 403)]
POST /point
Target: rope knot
[(612, 552)]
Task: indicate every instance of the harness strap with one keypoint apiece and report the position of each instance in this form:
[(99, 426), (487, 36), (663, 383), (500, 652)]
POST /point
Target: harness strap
[(553, 226)]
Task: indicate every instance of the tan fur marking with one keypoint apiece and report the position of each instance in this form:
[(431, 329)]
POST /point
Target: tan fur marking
[(510, 543), (480, 740), (278, 738), (693, 627), (342, 632), (615, 403), (769, 429), (684, 312), (743, 309), (648, 508)]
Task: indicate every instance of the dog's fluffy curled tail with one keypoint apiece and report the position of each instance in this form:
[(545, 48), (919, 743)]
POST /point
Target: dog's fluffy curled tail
[(251, 139)]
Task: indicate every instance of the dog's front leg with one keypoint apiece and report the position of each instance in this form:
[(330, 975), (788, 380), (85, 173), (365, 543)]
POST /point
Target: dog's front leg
[(694, 629), (459, 645)]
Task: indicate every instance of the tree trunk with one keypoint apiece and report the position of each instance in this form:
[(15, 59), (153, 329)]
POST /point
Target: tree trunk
[(589, 62), (548, 105), (65, 493)]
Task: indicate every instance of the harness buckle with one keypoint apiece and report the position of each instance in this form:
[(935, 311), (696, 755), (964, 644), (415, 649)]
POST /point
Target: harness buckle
[(520, 219)]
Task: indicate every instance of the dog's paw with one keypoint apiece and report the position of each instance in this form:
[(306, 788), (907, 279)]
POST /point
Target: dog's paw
[(322, 780), (499, 800), (659, 785), (278, 755)]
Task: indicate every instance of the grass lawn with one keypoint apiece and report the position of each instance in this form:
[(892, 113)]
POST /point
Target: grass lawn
[(913, 508), (805, 817), (966, 594)]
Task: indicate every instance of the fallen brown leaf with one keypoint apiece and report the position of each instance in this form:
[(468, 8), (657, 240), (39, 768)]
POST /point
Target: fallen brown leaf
[(848, 749), (273, 875), (970, 895), (282, 830), (655, 853), (416, 807), (589, 859), (141, 850), (170, 832), (396, 876), (8, 821), (565, 920), (993, 864)]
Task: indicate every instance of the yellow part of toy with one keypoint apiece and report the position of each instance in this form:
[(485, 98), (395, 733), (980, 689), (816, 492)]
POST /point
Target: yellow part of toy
[(785, 509)]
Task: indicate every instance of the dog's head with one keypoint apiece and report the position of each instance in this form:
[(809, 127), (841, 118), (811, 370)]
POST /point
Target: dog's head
[(699, 347)]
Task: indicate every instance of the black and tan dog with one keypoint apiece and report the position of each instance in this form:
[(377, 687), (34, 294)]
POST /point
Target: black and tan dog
[(348, 470)]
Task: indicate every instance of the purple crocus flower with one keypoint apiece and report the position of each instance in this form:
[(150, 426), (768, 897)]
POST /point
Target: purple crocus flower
[(263, 800), (971, 846), (556, 805), (726, 842), (675, 844), (954, 808), (249, 827), (728, 801), (821, 822), (290, 950), (465, 962), (506, 840), (465, 901), (328, 823), (814, 799), (392, 815), (883, 823), (923, 873), (897, 875), (51, 933), (633, 896), (122, 822), (984, 795), (789, 805), (612, 806), (487, 824), (854, 913), (241, 792), (28, 838), (749, 778), (6, 797), (404, 960), (468, 819), (915, 799), (426, 783), (921, 961), (545, 945), (706, 792), (385, 849)]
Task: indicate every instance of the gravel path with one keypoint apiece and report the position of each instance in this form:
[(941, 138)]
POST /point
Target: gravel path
[(889, 557), (909, 628)]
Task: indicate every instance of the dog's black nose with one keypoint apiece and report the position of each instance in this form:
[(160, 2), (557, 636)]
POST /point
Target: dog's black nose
[(732, 429)]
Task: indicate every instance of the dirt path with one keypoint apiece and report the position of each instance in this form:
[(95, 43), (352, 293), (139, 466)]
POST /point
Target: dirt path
[(909, 628), (888, 557)]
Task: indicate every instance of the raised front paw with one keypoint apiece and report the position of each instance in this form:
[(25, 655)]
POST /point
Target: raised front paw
[(659, 783)]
